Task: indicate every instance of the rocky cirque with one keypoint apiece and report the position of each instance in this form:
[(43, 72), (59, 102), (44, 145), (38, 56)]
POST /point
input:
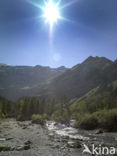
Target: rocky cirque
[(27, 139)]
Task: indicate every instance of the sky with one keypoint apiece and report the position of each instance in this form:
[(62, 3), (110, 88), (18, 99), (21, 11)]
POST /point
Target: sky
[(25, 39)]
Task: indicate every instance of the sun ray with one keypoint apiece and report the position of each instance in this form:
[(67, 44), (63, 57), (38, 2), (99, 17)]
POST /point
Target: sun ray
[(58, 3), (37, 5), (51, 10), (69, 4)]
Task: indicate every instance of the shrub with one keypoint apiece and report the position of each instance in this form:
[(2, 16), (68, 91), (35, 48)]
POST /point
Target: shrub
[(62, 118), (88, 122), (38, 119), (45, 117), (2, 115), (21, 118), (108, 119)]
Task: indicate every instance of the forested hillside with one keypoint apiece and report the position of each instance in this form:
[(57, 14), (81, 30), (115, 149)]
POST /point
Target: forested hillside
[(6, 108)]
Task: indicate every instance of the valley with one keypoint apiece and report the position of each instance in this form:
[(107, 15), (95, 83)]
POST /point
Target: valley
[(37, 105)]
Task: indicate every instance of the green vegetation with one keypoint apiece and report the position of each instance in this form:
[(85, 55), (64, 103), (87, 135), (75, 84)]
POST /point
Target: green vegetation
[(98, 110), (105, 119), (62, 112), (26, 107), (38, 119), (32, 108), (6, 108)]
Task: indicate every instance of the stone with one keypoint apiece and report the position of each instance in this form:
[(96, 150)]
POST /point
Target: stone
[(56, 146), (20, 148), (28, 142), (51, 135), (26, 147), (2, 139), (10, 138), (4, 147), (99, 131), (72, 144), (12, 148), (23, 147), (24, 127)]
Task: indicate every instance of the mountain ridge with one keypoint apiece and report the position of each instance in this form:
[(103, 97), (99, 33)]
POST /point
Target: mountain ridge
[(51, 82)]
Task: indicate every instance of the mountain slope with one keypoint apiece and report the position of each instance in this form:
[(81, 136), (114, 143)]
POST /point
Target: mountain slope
[(19, 81), (15, 80), (83, 77)]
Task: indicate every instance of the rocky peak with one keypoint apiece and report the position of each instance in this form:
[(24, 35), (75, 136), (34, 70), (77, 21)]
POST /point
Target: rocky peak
[(62, 68), (97, 59)]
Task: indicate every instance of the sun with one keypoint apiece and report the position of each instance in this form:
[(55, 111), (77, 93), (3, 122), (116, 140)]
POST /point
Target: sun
[(51, 12)]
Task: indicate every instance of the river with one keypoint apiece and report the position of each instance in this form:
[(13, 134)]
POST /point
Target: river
[(27, 139)]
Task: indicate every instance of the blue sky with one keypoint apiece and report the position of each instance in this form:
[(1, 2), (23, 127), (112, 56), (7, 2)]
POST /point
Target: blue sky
[(91, 29)]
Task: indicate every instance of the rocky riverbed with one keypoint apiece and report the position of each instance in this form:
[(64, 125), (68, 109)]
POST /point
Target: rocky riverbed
[(27, 139)]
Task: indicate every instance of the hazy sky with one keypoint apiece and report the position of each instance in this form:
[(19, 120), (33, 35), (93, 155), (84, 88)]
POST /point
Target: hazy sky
[(91, 29)]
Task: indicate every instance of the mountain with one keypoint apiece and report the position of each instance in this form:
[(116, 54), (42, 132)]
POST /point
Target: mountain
[(83, 77), (18, 81), (96, 109), (2, 65), (15, 80)]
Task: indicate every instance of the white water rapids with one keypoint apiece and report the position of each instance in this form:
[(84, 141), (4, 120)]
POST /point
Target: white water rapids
[(63, 130)]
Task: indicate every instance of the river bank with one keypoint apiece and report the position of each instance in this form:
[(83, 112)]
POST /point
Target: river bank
[(27, 139)]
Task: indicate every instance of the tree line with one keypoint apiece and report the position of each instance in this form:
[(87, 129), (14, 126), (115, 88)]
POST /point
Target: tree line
[(96, 111)]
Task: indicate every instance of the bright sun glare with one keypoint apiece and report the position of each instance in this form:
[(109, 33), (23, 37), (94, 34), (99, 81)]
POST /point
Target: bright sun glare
[(51, 12)]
